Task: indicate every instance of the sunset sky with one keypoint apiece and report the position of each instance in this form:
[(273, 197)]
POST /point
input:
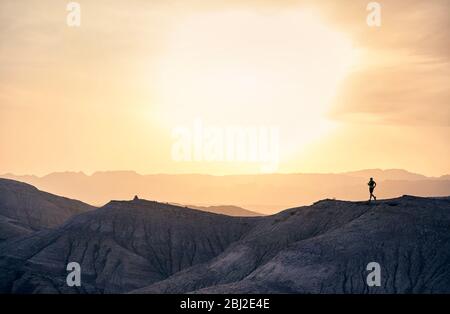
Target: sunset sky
[(109, 94)]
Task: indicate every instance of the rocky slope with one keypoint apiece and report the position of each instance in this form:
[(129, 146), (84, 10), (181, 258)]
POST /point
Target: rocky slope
[(24, 209), (325, 248), (122, 246)]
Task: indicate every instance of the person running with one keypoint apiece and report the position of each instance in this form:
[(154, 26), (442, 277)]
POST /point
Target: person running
[(372, 184)]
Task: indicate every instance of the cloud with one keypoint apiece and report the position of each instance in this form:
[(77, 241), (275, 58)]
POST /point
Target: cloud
[(406, 72), (409, 93)]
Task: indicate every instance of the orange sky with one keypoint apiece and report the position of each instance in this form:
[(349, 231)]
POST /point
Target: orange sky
[(110, 94)]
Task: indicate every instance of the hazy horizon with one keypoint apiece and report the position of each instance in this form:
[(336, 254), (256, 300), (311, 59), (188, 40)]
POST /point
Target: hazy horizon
[(216, 175), (264, 193)]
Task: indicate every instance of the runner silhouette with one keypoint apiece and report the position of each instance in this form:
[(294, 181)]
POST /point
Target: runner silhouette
[(372, 184)]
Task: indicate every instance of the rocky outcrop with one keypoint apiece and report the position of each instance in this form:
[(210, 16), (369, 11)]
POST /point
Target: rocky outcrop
[(24, 209)]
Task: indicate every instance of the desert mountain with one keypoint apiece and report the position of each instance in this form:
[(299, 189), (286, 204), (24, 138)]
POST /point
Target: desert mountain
[(325, 248), (150, 247), (122, 246), (24, 209), (264, 193)]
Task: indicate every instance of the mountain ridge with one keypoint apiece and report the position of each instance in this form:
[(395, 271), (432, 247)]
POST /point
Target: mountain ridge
[(120, 246), (25, 209), (313, 264)]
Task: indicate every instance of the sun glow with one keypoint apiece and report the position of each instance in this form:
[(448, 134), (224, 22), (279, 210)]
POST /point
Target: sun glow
[(241, 67)]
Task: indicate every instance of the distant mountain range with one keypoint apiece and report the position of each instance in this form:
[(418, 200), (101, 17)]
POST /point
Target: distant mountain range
[(264, 193), (142, 246)]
